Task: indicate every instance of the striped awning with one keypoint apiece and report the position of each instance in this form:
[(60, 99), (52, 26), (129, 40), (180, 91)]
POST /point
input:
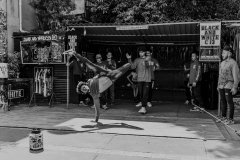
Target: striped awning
[(175, 33)]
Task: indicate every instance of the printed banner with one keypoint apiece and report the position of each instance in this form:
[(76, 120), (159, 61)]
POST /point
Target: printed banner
[(210, 40), (43, 49), (3, 70)]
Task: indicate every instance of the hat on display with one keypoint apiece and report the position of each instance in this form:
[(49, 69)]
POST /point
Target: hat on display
[(228, 48)]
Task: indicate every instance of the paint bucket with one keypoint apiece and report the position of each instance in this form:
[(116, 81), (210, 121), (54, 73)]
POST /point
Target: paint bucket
[(36, 140)]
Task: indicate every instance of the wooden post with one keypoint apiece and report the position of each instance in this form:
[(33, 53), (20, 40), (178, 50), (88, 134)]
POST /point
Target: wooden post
[(67, 82)]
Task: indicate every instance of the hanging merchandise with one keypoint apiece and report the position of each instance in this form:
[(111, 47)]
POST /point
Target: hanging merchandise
[(43, 84), (236, 47)]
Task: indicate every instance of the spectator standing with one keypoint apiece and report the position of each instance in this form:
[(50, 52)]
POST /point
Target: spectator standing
[(143, 70), (132, 78), (110, 65), (186, 71), (195, 82), (227, 84), (154, 65), (79, 74)]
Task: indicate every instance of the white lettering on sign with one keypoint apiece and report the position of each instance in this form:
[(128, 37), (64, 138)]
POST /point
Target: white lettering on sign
[(42, 38), (12, 94), (210, 34), (72, 41), (131, 27)]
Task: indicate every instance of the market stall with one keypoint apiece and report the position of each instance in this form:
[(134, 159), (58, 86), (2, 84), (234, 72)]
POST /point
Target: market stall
[(171, 43)]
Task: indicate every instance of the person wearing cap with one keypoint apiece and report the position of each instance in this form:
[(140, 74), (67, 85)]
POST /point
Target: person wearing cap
[(227, 84), (195, 78), (103, 95), (98, 84), (111, 65), (154, 65), (143, 70)]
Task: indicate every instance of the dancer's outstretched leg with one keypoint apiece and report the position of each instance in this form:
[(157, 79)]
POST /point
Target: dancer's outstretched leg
[(95, 68)]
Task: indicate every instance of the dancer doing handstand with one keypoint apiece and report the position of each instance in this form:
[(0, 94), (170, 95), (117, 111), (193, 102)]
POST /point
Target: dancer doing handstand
[(100, 82)]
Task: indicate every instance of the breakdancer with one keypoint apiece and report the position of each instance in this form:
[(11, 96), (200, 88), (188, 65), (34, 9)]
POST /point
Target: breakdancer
[(100, 82)]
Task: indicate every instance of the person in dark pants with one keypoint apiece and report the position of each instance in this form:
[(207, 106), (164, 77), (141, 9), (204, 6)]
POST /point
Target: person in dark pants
[(227, 84), (143, 77), (79, 75), (195, 82), (110, 64), (186, 80), (154, 65)]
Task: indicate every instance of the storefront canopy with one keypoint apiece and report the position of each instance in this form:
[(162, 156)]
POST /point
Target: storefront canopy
[(173, 33)]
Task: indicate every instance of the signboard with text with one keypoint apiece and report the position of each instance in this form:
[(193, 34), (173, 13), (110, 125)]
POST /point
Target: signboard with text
[(13, 94), (210, 40), (43, 49)]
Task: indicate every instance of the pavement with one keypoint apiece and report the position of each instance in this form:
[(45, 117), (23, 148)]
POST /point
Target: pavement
[(167, 131)]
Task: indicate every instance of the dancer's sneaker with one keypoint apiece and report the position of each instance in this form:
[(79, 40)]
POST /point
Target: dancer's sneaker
[(104, 107), (229, 121), (194, 109), (149, 104), (82, 103), (187, 102), (222, 119), (142, 110), (139, 104)]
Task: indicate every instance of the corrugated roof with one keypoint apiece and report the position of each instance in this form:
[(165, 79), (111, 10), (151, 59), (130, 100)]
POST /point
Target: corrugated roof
[(156, 33)]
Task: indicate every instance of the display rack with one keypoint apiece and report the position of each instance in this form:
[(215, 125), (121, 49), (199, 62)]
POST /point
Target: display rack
[(38, 75)]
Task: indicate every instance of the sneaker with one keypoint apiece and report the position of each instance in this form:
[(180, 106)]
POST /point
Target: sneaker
[(194, 109), (93, 106), (229, 121), (104, 107), (139, 104), (187, 102), (222, 119), (142, 110), (149, 104), (82, 103)]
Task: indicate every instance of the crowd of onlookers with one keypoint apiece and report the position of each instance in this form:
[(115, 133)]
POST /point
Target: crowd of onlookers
[(142, 79)]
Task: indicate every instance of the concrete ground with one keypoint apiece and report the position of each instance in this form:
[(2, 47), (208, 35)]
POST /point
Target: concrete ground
[(85, 140)]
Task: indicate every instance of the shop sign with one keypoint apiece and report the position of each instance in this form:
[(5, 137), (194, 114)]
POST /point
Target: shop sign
[(72, 41), (132, 27), (42, 38), (3, 70), (210, 38), (13, 94)]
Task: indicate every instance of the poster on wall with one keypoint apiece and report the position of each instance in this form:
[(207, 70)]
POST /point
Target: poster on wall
[(43, 49), (210, 38), (3, 70)]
